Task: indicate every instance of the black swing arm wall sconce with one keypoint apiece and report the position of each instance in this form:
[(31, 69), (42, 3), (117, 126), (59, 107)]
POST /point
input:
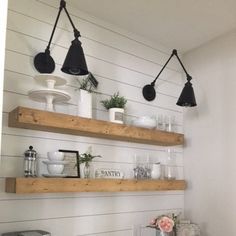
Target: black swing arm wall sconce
[(74, 63), (187, 97)]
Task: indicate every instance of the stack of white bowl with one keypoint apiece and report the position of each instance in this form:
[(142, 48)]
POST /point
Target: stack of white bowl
[(145, 122), (55, 164)]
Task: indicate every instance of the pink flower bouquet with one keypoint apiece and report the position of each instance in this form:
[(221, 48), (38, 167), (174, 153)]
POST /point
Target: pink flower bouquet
[(164, 223)]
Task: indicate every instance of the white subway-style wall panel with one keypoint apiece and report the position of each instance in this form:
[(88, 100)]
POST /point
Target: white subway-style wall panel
[(117, 154), (63, 39), (96, 30), (87, 225), (133, 94), (120, 61), (12, 211)]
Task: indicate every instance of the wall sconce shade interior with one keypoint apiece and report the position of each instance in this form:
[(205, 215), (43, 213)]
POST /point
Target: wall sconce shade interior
[(74, 64), (187, 97)]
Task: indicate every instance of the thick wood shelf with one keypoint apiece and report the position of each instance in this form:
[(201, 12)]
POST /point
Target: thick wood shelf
[(59, 185), (28, 118)]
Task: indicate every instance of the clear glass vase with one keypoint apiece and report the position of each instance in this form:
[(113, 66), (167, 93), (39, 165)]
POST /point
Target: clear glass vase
[(87, 170), (159, 233)]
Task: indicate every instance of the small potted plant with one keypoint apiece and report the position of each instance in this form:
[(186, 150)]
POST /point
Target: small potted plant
[(87, 86), (115, 105), (86, 159)]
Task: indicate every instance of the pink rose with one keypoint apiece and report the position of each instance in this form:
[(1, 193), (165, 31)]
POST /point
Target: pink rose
[(165, 224), (153, 221)]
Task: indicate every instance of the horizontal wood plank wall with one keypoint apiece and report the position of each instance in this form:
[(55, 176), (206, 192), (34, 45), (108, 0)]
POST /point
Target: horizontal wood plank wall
[(120, 61)]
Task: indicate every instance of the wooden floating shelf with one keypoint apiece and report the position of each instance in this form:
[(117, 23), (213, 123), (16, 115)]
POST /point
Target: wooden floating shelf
[(28, 118), (60, 185)]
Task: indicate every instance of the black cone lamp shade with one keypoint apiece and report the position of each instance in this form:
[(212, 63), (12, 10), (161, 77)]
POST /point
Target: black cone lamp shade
[(187, 97), (75, 63)]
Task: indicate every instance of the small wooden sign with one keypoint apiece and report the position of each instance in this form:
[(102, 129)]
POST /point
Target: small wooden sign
[(109, 174)]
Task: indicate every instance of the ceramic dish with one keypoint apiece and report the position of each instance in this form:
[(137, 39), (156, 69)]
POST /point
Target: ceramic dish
[(50, 80), (55, 162), (55, 167), (145, 122), (55, 176), (55, 156)]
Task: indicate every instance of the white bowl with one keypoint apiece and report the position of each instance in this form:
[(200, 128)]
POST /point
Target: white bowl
[(145, 122), (55, 169), (56, 156)]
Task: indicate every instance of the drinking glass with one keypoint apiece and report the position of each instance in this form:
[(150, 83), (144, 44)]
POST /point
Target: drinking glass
[(170, 168), (169, 121)]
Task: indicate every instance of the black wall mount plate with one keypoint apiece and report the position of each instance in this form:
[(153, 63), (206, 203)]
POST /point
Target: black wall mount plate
[(44, 63), (149, 92)]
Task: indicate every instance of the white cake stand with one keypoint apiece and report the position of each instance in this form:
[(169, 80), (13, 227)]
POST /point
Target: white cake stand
[(49, 96), (50, 80)]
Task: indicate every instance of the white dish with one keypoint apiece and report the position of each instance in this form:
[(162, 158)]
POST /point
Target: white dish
[(55, 156), (49, 96), (55, 176), (145, 122), (56, 162), (41, 95), (50, 80), (55, 167)]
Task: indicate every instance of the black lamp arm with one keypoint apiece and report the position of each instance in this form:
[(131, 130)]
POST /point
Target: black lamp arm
[(187, 74), (174, 53), (62, 4), (154, 81), (76, 32)]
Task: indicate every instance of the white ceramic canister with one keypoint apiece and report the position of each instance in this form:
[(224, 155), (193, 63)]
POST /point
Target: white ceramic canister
[(85, 104), (156, 170)]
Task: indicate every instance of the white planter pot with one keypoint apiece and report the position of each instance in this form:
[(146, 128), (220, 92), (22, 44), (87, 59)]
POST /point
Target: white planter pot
[(85, 104), (116, 115)]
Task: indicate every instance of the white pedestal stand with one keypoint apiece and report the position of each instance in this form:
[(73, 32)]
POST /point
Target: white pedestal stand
[(49, 95)]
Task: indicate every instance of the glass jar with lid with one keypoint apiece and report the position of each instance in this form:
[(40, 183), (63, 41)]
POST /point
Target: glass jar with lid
[(30, 162)]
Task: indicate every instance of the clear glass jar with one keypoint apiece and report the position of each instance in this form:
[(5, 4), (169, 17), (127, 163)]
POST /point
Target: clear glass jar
[(87, 170), (170, 167)]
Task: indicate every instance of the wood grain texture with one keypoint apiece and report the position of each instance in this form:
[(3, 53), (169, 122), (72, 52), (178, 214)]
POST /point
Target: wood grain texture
[(10, 185), (28, 118), (59, 185)]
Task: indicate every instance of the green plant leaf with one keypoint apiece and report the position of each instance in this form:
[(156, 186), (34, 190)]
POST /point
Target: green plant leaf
[(115, 101)]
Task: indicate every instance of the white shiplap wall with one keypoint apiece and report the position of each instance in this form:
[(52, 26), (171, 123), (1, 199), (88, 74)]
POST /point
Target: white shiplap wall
[(121, 62)]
